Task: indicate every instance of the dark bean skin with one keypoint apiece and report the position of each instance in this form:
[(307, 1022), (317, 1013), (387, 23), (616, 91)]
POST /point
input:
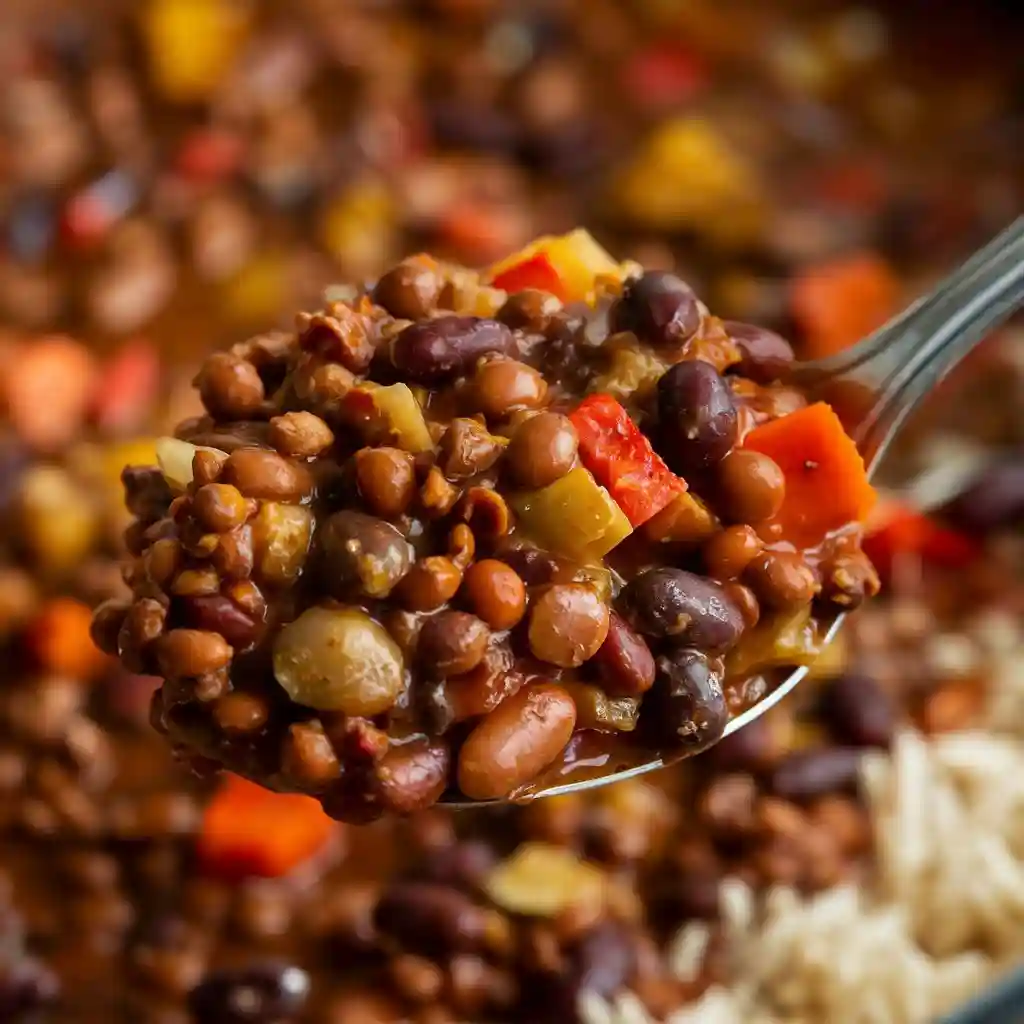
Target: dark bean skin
[(462, 865), (754, 749), (219, 614), (412, 777), (624, 661), (681, 606), (686, 707), (659, 308), (267, 993), (807, 774), (362, 555), (993, 501), (429, 918), (698, 420), (438, 350), (859, 711), (452, 643), (766, 356), (27, 986)]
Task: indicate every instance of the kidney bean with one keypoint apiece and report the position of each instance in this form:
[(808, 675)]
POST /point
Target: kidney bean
[(859, 711), (516, 741), (683, 607), (698, 418), (992, 501), (686, 706), (263, 474), (448, 346), (807, 774), (218, 614), (267, 993), (428, 918), (362, 555), (568, 624), (754, 748), (766, 356), (624, 661), (412, 776), (659, 308), (452, 643)]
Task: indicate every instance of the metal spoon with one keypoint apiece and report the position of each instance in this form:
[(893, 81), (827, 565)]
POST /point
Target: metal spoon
[(877, 384)]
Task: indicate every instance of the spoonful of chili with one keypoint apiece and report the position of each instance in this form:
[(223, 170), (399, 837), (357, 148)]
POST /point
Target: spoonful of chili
[(470, 537)]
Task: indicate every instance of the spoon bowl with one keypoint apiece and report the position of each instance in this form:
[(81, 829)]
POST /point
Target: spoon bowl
[(874, 387)]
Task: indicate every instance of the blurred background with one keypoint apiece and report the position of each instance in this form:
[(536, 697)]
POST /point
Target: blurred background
[(178, 174)]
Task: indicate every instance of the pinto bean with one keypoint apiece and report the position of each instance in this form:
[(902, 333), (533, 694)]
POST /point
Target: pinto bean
[(516, 741), (259, 473)]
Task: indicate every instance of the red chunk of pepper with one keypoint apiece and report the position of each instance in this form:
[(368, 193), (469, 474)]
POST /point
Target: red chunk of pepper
[(622, 459), (902, 531), (536, 272), (251, 832)]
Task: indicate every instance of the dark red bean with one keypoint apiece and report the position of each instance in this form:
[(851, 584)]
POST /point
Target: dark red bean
[(462, 865), (766, 356), (427, 918), (993, 501), (440, 349), (698, 419), (859, 711), (754, 749), (413, 776), (268, 993), (686, 707), (218, 614), (683, 607), (624, 661), (659, 308), (807, 774)]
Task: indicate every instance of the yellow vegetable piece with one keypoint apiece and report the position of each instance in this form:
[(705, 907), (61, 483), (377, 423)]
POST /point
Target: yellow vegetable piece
[(687, 176), (405, 417), (174, 457), (574, 516), (776, 643), (191, 44), (358, 227), (542, 880), (577, 258), (256, 294)]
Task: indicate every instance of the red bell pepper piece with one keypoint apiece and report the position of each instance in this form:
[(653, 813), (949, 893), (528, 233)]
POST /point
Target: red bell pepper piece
[(251, 832), (905, 531), (664, 74), (128, 388), (536, 272), (621, 459)]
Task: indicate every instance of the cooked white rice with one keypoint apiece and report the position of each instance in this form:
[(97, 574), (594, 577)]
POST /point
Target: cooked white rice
[(941, 919)]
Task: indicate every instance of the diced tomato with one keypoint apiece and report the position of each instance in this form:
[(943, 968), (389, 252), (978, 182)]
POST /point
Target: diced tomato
[(536, 272), (210, 155), (664, 74), (248, 831), (622, 459)]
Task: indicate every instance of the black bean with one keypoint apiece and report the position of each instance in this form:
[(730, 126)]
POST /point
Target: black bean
[(601, 963), (683, 607), (440, 349), (686, 707), (462, 865), (362, 556), (698, 420), (428, 918), (993, 501), (268, 993), (750, 749), (766, 356), (659, 308), (859, 711), (807, 774), (26, 985)]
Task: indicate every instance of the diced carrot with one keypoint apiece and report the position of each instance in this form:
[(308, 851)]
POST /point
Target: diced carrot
[(535, 272), (826, 483), (622, 459), (127, 388), (251, 832), (835, 304), (59, 638), (48, 388), (896, 530)]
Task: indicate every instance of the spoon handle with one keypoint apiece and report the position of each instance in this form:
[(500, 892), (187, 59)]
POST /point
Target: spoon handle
[(900, 363)]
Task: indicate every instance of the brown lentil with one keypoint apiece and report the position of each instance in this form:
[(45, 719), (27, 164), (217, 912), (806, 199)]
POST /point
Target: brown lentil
[(301, 435), (751, 485), (781, 579), (542, 449), (386, 480)]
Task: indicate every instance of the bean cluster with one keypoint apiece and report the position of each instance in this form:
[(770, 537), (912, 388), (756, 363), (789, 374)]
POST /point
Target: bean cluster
[(332, 569)]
